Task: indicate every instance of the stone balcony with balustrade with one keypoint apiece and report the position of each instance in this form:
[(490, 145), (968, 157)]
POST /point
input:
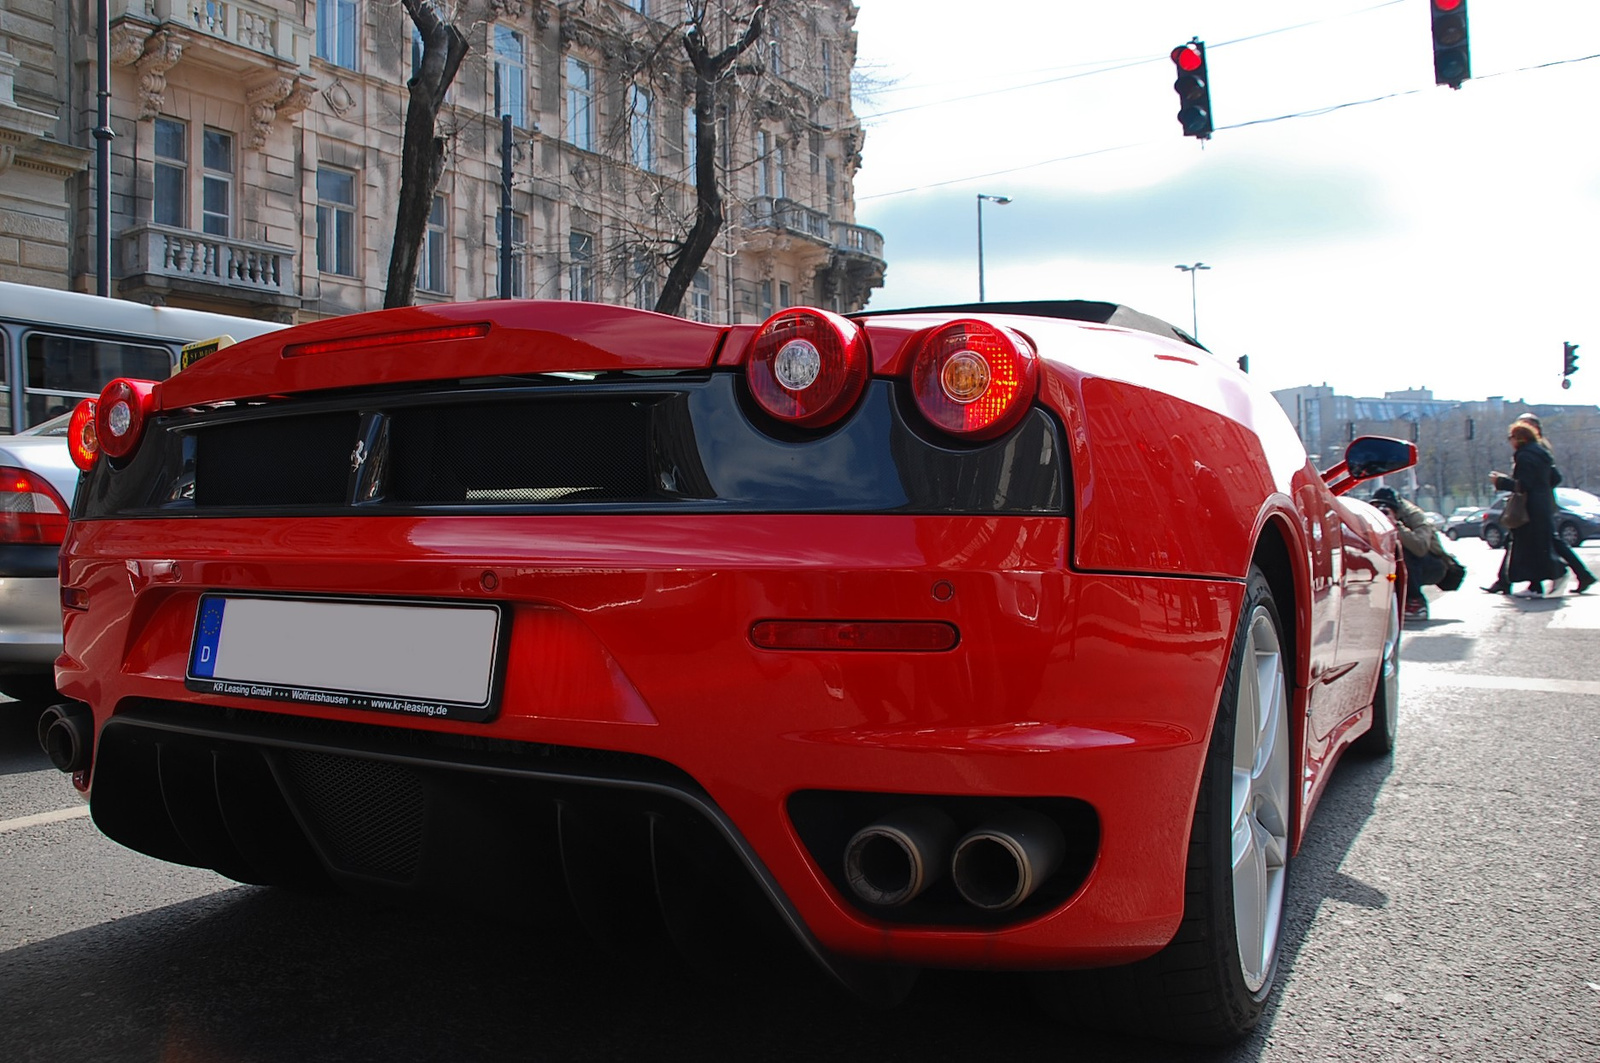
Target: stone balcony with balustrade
[(157, 259)]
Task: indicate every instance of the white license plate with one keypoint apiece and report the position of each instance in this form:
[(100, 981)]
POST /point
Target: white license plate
[(418, 658)]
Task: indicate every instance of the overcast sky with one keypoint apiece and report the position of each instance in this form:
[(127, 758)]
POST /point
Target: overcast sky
[(1432, 238)]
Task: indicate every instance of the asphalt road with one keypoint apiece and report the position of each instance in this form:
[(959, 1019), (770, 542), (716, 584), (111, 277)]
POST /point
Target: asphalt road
[(1444, 907)]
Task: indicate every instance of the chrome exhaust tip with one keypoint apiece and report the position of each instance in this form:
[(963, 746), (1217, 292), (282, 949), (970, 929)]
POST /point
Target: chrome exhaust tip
[(1000, 864), (893, 860)]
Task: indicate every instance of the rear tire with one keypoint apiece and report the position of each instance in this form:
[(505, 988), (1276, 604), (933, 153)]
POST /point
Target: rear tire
[(1569, 533), (1493, 536), (1211, 983)]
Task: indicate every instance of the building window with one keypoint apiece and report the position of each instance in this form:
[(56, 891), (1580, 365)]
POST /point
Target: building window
[(832, 181), (430, 263), (785, 295), (645, 288), (827, 68), (510, 77), (519, 242), (700, 296), (641, 127), (764, 163), (417, 50), (775, 53), (216, 183), (691, 148), (336, 32), (170, 205), (580, 267), (764, 307), (641, 6), (780, 168), (580, 105), (336, 221)]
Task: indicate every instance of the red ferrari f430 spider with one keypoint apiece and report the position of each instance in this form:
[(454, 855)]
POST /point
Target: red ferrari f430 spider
[(1004, 636)]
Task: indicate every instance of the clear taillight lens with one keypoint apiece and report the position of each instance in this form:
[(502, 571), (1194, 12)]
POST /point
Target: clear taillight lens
[(807, 367), (974, 379), (120, 415), (31, 511)]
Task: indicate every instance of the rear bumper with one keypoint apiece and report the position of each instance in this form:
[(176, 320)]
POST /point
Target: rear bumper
[(630, 672)]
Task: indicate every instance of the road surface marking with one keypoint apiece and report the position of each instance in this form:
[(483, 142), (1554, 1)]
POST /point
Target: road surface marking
[(24, 822), (1438, 677)]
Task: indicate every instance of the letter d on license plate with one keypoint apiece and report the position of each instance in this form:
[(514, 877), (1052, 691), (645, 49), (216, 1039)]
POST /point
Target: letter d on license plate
[(423, 659)]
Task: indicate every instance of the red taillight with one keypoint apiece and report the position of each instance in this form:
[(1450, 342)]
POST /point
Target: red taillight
[(902, 636), (974, 379), (30, 509), (83, 443), (807, 367), (120, 416)]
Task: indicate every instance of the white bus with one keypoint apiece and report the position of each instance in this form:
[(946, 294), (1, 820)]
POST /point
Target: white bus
[(60, 346)]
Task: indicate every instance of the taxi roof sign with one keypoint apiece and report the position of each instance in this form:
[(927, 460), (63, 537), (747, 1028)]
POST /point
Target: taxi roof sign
[(193, 352)]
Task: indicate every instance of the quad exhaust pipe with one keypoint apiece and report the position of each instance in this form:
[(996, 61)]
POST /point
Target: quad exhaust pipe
[(1001, 864), (994, 867), (66, 734), (892, 861)]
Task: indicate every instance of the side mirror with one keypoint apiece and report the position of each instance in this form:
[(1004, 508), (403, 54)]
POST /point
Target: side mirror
[(1367, 457)]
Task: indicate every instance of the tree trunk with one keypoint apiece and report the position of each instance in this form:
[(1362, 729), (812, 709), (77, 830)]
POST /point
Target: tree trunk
[(422, 152), (708, 70)]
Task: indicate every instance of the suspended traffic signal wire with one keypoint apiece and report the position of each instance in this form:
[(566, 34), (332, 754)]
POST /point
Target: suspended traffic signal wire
[(1312, 113), (1109, 65)]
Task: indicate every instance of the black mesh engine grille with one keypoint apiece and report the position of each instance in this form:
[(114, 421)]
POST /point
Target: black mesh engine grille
[(472, 453), (368, 814), (296, 461)]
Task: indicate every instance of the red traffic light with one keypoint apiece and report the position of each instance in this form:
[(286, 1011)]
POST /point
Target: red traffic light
[(1447, 5), (1194, 94)]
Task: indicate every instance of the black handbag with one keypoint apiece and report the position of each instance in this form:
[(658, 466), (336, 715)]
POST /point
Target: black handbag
[(1515, 515), (1454, 573)]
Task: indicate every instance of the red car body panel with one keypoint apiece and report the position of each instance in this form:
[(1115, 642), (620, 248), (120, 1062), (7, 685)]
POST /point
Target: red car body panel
[(1093, 643)]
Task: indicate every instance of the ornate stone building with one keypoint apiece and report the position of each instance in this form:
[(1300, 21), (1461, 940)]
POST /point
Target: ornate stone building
[(256, 159)]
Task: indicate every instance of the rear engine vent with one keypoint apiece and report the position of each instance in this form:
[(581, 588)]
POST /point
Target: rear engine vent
[(485, 454), (291, 461)]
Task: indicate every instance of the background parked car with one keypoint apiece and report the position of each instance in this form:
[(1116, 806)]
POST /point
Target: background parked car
[(1577, 517), (1464, 522), (37, 480)]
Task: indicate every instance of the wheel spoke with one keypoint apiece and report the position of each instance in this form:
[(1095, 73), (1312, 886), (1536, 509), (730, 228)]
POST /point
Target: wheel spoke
[(1261, 799)]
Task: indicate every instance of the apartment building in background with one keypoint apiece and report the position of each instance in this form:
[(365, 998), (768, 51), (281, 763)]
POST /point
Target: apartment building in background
[(256, 158)]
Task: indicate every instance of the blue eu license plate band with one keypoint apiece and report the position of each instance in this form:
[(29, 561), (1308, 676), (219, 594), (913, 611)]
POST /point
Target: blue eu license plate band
[(423, 659)]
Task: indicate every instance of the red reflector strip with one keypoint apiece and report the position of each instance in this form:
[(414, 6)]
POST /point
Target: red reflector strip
[(75, 598), (921, 636), (389, 339)]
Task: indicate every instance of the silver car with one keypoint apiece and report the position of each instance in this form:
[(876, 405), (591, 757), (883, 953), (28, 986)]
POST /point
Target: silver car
[(37, 482)]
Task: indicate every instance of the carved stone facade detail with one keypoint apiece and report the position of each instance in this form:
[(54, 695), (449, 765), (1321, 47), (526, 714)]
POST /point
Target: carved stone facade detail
[(263, 99), (162, 52)]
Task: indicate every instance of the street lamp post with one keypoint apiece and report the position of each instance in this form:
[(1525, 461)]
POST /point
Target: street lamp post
[(1194, 305), (1002, 201)]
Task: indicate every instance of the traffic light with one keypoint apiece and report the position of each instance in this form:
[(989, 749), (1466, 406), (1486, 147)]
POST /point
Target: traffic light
[(1452, 63), (1194, 89), (1569, 363)]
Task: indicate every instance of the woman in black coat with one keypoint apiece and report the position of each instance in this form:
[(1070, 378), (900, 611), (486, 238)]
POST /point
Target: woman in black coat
[(1532, 472)]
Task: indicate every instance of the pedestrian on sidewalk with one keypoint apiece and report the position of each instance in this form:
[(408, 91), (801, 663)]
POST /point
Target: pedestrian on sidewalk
[(1531, 550)]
